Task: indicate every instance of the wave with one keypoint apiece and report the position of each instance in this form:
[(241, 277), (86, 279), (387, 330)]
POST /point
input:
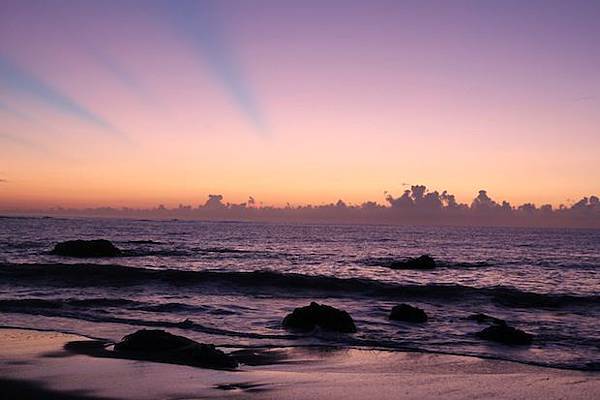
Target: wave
[(60, 303), (149, 251), (154, 253), (143, 241), (104, 303), (223, 250), (270, 282), (393, 262), (390, 262), (58, 308)]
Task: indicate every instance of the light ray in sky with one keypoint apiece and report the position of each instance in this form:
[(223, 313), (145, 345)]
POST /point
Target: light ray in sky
[(20, 80), (199, 23)]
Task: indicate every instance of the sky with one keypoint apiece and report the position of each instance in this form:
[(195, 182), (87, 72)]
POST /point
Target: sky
[(139, 103)]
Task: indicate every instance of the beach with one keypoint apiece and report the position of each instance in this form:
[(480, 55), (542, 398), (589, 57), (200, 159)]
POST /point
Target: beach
[(35, 365), (479, 318)]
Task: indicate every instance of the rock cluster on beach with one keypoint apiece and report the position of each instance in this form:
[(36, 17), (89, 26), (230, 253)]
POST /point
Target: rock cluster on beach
[(86, 248), (319, 315), (332, 319), (158, 345), (408, 313)]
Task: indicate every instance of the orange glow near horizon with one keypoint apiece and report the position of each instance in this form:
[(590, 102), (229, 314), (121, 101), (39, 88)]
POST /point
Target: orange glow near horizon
[(289, 106)]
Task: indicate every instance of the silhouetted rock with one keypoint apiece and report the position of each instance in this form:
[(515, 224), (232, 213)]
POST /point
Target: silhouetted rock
[(421, 262), (86, 248), (505, 334), (152, 340), (326, 317), (408, 313), (158, 345), (188, 323), (481, 318)]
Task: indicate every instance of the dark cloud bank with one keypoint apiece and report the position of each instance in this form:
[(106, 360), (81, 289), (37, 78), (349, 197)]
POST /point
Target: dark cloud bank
[(414, 206)]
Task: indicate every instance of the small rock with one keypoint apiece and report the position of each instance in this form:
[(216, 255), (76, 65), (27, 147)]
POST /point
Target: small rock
[(319, 315), (506, 334), (408, 313), (421, 262), (187, 323), (86, 248), (481, 318)]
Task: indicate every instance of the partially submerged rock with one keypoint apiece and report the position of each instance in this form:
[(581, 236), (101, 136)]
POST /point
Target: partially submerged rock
[(158, 345), (86, 248), (408, 313), (421, 262), (319, 315), (502, 333), (481, 318)]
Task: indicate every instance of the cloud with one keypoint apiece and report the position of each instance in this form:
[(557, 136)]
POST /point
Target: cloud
[(25, 82), (415, 206), (214, 201)]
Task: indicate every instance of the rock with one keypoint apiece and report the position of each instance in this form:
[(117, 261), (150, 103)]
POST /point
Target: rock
[(505, 334), (487, 319), (188, 323), (152, 340), (86, 248), (408, 313), (319, 315), (421, 262), (158, 345)]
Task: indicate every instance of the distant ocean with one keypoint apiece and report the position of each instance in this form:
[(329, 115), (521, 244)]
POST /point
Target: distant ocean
[(231, 283)]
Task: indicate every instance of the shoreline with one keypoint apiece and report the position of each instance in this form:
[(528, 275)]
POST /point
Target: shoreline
[(333, 347), (36, 362), (330, 347)]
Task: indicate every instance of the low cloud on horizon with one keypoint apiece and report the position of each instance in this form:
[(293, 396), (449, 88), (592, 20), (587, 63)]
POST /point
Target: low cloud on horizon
[(416, 205)]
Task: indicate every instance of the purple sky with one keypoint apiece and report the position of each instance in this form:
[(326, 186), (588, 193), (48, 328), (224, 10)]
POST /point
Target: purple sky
[(136, 103)]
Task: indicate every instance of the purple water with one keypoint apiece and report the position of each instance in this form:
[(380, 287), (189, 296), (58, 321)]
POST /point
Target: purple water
[(235, 282)]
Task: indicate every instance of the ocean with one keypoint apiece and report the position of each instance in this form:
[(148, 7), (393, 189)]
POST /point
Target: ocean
[(232, 283)]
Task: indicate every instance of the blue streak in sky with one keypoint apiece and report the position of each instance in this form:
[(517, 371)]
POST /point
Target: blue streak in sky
[(22, 81), (200, 25), (121, 74), (13, 111)]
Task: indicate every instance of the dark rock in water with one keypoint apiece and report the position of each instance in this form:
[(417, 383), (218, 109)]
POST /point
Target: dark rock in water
[(86, 248), (486, 319), (505, 334), (158, 345), (421, 262), (188, 323), (408, 313), (326, 317), (593, 366)]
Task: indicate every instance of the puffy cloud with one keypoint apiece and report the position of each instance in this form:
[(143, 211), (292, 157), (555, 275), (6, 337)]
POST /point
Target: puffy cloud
[(416, 205), (215, 201), (483, 202)]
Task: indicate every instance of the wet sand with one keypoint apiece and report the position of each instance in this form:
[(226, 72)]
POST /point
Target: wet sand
[(36, 365)]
